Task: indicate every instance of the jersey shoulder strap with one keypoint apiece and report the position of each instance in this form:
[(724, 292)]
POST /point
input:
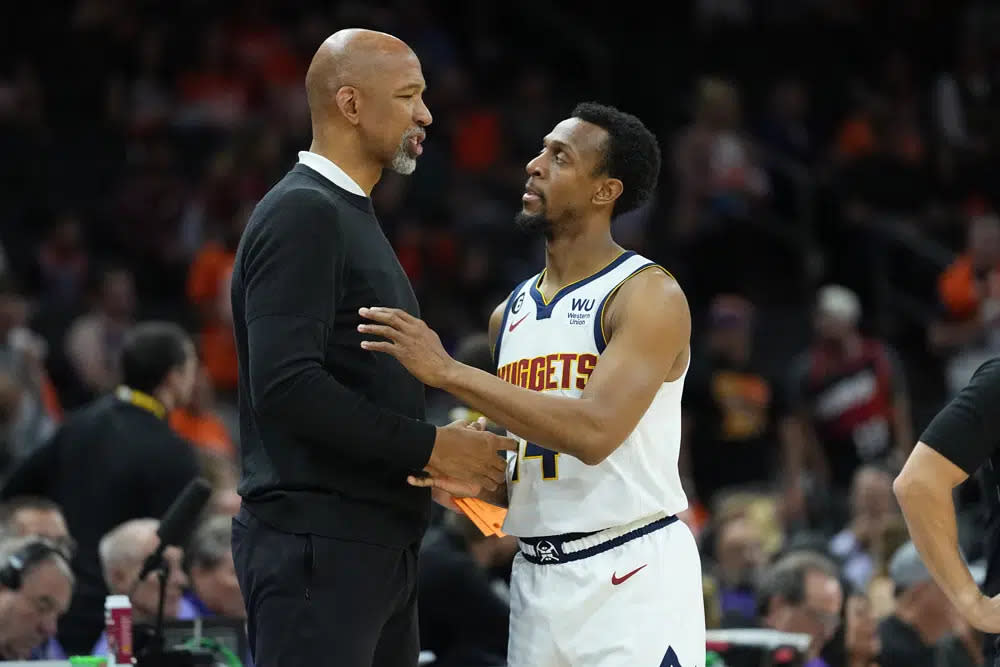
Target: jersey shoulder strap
[(639, 265)]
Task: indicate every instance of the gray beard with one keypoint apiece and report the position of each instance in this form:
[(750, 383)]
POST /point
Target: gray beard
[(402, 162)]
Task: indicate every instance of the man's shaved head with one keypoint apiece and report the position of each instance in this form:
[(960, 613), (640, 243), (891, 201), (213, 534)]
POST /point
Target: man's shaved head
[(351, 57), (369, 82)]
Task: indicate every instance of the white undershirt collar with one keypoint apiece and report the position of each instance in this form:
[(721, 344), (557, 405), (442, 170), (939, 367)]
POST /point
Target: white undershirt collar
[(332, 172)]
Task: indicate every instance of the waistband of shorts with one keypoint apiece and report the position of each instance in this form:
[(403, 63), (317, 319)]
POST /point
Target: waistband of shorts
[(577, 546)]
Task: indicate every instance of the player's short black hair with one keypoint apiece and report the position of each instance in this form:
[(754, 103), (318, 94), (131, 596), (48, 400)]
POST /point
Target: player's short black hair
[(631, 154), (151, 351)]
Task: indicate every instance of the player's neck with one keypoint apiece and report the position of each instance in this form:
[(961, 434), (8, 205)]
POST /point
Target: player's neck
[(347, 154), (569, 259)]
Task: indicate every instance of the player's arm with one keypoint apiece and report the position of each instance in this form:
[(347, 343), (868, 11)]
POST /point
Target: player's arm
[(959, 439), (651, 328)]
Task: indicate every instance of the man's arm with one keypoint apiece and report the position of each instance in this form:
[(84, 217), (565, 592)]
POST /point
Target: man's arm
[(292, 277), (924, 489), (651, 327), (959, 439)]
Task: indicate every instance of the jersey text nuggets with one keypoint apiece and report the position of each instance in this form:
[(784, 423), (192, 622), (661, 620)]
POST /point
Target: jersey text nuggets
[(563, 370)]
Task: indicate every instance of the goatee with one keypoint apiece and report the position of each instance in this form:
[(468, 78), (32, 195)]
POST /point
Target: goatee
[(534, 223), (403, 162)]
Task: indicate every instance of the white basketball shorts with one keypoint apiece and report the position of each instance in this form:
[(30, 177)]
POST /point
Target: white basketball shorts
[(622, 597)]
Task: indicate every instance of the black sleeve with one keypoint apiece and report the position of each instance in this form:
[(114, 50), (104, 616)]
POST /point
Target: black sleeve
[(292, 277), (967, 430)]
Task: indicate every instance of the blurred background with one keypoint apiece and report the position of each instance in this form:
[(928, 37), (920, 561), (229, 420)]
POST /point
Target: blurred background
[(828, 203)]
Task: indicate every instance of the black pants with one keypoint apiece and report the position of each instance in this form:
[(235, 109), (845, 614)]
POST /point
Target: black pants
[(315, 600)]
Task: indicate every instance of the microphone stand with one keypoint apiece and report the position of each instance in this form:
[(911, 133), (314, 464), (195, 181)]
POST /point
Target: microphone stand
[(149, 647), (162, 572), (154, 652)]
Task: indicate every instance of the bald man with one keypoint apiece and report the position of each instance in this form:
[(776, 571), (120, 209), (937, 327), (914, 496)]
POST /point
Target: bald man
[(325, 543)]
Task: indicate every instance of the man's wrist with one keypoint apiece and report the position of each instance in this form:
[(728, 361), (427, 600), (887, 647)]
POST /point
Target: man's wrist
[(451, 376), (968, 600)]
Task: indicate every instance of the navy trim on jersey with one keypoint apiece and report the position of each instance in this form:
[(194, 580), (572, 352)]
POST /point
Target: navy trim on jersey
[(599, 340), (544, 310), (503, 323), (554, 545)]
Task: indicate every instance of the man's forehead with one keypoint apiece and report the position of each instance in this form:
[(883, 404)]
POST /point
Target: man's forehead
[(581, 136), (48, 578), (28, 515), (399, 70)]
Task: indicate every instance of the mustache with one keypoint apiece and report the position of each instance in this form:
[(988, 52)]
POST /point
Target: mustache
[(417, 132)]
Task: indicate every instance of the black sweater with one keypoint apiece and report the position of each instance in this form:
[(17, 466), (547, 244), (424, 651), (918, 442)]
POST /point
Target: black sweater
[(328, 431)]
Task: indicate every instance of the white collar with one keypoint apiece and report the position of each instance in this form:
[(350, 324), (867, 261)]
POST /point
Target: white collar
[(332, 172)]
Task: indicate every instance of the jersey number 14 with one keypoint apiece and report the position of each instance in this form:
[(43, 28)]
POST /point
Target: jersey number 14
[(549, 460)]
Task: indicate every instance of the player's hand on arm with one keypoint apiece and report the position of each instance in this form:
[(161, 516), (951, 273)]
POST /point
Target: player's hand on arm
[(924, 489), (957, 442), (651, 329)]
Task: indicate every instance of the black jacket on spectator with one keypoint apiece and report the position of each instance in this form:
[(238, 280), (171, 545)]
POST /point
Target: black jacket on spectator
[(902, 645), (111, 462)]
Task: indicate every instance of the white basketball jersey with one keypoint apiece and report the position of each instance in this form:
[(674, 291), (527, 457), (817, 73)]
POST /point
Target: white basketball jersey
[(554, 346)]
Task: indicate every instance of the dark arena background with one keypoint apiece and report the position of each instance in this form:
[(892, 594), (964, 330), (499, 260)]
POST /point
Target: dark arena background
[(829, 181)]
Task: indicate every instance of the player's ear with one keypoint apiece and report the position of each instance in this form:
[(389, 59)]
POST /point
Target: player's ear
[(608, 192), (349, 103)]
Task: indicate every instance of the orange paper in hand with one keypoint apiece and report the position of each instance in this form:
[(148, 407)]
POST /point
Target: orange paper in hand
[(488, 518)]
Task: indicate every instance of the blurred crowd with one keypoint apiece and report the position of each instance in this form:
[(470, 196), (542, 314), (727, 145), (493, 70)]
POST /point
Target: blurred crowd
[(828, 202)]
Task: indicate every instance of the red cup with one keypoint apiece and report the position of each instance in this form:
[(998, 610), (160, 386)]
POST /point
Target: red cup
[(118, 628)]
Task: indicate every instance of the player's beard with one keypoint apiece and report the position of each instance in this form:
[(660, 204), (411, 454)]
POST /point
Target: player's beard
[(403, 162), (534, 223)]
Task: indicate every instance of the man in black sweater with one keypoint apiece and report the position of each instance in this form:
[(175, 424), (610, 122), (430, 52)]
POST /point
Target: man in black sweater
[(961, 440), (326, 541), (114, 460)]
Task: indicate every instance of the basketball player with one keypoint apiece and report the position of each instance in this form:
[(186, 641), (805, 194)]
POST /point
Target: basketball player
[(592, 354)]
